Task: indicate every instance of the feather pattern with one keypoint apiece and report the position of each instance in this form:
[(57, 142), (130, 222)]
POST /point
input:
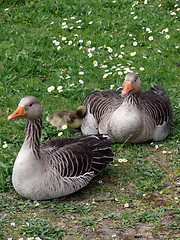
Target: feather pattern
[(142, 115), (58, 167)]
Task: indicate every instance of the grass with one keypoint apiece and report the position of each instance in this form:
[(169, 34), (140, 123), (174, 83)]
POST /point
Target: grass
[(104, 40)]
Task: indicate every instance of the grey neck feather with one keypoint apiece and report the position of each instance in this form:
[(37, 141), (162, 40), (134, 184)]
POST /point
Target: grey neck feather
[(132, 98), (33, 134)]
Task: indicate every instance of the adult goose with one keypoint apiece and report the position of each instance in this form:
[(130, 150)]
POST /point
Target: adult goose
[(129, 114), (67, 117), (58, 167)]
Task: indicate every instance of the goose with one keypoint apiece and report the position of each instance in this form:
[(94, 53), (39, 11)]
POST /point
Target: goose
[(59, 167), (67, 117), (128, 114)]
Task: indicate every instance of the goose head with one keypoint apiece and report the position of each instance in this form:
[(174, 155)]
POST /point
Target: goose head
[(29, 107), (132, 84)]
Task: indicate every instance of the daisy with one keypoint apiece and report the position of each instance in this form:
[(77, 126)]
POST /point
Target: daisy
[(71, 85), (78, 26), (90, 22), (64, 127), (58, 48), (167, 37), (113, 236), (120, 73), (148, 30), (105, 75), (111, 87), (78, 21), (60, 134), (81, 81), (141, 69), (80, 41), (133, 54), (134, 43), (135, 17), (81, 73), (70, 42), (95, 63), (50, 89), (64, 38), (59, 89), (4, 145), (130, 35), (89, 42), (64, 23), (120, 56), (56, 43), (90, 54), (150, 38), (159, 51), (109, 49), (126, 205), (73, 17)]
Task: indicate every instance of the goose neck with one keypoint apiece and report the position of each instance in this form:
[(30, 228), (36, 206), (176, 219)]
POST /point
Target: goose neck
[(33, 134), (132, 99)]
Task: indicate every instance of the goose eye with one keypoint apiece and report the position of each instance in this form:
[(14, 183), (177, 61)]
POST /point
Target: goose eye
[(74, 117), (30, 105)]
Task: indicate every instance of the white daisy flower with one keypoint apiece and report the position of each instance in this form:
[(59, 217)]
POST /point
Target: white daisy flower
[(150, 38), (90, 54), (60, 134), (81, 73), (64, 127), (126, 205), (105, 75), (81, 81), (50, 89), (70, 42), (90, 22), (141, 69), (111, 87), (4, 145), (167, 37), (95, 63), (89, 42), (135, 43), (109, 49), (133, 54), (59, 48), (80, 41), (120, 73), (64, 38), (57, 43)]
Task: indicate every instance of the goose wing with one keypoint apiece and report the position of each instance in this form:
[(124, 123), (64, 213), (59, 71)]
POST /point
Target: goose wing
[(156, 104), (75, 161), (79, 155), (105, 102)]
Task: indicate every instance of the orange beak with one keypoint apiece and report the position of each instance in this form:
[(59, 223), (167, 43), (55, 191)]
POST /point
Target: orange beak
[(18, 113), (127, 88)]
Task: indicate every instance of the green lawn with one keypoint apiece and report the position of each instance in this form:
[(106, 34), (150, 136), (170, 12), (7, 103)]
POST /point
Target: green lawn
[(59, 51)]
